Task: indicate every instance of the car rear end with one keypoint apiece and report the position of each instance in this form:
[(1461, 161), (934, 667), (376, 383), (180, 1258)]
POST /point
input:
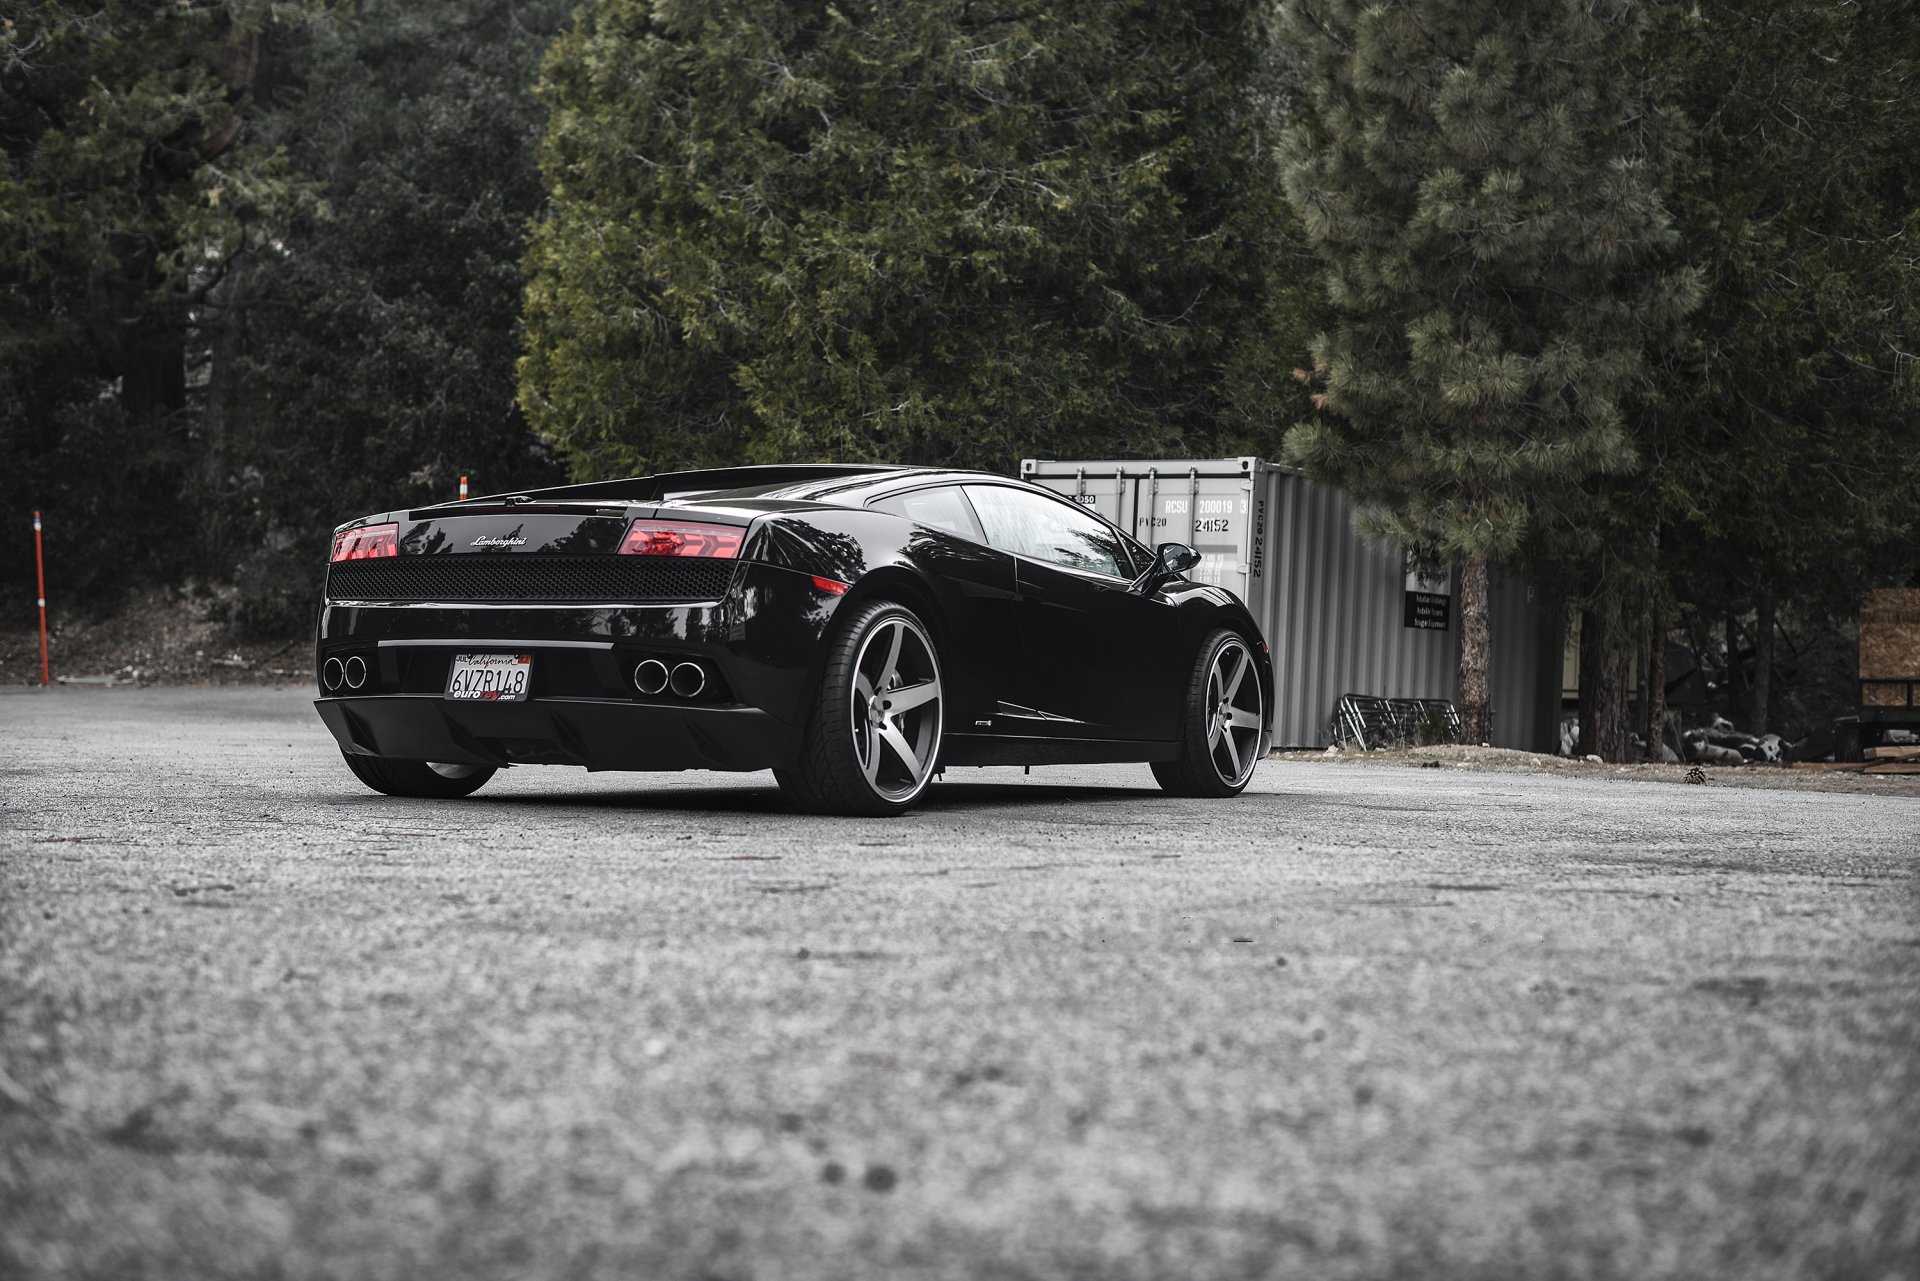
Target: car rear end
[(593, 632)]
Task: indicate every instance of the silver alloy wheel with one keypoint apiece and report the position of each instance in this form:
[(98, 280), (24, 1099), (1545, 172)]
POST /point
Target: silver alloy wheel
[(447, 770), (896, 708), (1235, 713)]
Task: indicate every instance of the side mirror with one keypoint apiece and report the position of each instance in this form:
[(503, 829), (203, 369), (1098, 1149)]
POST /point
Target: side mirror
[(1170, 560), (1174, 559)]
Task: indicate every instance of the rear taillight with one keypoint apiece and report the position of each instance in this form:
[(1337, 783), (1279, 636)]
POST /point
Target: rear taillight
[(678, 538), (368, 543)]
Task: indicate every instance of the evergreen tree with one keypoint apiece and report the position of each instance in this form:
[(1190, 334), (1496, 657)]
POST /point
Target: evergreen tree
[(936, 232), (1789, 474), (376, 365), (134, 178), (1471, 173)]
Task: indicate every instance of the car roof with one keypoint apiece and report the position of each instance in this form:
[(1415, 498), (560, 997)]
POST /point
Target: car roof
[(843, 484)]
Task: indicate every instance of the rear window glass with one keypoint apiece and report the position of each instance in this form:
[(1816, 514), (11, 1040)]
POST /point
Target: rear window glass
[(943, 508)]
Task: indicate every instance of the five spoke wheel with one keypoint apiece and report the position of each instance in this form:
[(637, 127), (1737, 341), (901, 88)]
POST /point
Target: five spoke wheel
[(896, 707), (1236, 714), (873, 742), (1226, 716)]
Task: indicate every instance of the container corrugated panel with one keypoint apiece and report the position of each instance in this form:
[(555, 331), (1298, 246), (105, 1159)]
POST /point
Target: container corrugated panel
[(1217, 506), (1330, 603), (1339, 626)]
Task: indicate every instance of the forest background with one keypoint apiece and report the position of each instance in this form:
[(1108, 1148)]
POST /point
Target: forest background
[(1623, 295)]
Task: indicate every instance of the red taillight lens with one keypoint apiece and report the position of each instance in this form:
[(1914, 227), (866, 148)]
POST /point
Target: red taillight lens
[(678, 538), (368, 543), (831, 586)]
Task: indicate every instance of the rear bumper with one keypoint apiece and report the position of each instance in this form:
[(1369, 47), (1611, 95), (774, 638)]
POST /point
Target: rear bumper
[(758, 650), (595, 733)]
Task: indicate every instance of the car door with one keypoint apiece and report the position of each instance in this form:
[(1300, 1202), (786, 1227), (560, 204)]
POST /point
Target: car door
[(983, 669), (1100, 657)]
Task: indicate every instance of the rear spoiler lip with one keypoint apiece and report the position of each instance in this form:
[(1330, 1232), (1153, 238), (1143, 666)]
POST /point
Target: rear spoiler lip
[(653, 489)]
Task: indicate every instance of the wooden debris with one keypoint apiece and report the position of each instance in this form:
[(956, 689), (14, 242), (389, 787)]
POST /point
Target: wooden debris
[(1863, 767), (1892, 753)]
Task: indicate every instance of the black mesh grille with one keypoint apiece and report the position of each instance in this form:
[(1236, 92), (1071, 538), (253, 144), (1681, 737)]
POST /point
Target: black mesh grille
[(583, 579)]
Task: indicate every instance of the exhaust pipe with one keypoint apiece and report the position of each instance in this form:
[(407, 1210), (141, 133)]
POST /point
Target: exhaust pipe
[(331, 674), (689, 679), (650, 677), (356, 672)]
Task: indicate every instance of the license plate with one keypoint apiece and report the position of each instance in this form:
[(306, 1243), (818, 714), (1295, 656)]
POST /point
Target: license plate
[(490, 678)]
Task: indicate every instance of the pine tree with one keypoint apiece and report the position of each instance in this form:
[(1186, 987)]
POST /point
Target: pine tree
[(379, 361), (133, 177), (1791, 459), (935, 232), (1471, 173)]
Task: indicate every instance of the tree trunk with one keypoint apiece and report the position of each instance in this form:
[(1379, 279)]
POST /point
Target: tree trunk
[(1736, 678), (1642, 678), (1762, 690), (1589, 660), (226, 307), (1656, 677), (153, 374), (1476, 653), (1613, 675), (1655, 704)]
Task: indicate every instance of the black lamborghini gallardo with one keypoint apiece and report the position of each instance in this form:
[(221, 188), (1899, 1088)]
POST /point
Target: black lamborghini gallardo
[(855, 629)]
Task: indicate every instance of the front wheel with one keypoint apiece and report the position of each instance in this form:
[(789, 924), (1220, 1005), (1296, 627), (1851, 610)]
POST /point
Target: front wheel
[(874, 736), (1221, 726), (433, 780)]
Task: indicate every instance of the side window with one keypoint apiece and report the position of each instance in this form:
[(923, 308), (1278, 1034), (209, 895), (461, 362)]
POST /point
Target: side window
[(1048, 529), (942, 508)]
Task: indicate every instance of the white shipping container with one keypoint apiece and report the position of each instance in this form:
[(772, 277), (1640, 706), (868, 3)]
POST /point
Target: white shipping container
[(1334, 607)]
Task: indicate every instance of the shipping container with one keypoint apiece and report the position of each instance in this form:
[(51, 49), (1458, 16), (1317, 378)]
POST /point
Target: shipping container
[(1341, 615)]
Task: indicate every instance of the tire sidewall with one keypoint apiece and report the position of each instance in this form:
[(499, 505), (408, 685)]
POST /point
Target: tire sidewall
[(841, 784), (1204, 774)]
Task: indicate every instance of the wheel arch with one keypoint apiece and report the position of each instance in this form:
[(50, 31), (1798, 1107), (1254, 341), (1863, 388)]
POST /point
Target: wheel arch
[(893, 583), (903, 587), (1237, 620)]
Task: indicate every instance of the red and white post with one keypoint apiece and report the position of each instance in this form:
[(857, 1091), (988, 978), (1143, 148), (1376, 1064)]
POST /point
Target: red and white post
[(40, 577), (463, 489)]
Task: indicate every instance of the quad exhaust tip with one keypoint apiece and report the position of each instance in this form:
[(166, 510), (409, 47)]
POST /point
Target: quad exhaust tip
[(332, 673), (356, 672), (650, 677), (688, 679)]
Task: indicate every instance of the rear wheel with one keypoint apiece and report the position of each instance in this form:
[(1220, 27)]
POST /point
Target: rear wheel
[(1220, 729), (874, 736), (431, 779)]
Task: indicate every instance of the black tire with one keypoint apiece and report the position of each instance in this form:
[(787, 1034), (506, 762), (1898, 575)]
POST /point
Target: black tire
[(418, 778), (867, 750), (1222, 723)]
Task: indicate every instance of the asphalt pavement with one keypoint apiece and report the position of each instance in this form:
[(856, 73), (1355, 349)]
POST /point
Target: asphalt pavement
[(1361, 1022)]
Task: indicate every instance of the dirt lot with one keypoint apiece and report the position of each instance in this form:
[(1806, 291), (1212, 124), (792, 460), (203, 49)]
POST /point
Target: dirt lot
[(1366, 1021), (158, 638), (1506, 761)]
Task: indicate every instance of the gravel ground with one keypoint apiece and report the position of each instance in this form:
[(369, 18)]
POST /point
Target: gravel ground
[(1367, 1021)]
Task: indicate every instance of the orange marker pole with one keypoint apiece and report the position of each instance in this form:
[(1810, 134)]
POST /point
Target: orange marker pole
[(40, 577), (463, 489)]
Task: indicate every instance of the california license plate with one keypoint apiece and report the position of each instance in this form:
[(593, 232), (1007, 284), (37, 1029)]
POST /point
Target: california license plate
[(490, 678)]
